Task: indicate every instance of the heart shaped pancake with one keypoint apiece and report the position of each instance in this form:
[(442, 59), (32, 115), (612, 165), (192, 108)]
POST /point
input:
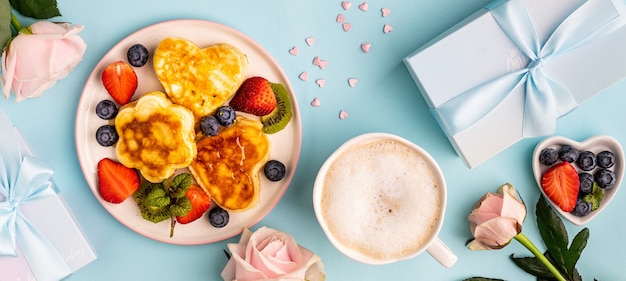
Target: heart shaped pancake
[(594, 144), (227, 165), (199, 79)]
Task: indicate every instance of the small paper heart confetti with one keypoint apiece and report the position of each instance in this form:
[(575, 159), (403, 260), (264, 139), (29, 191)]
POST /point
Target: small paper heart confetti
[(366, 47), (304, 76), (320, 82), (341, 18), (316, 61), (315, 102), (346, 5), (352, 82), (343, 114), (363, 7), (323, 64), (387, 28), (294, 51), (385, 11), (310, 41), (346, 26)]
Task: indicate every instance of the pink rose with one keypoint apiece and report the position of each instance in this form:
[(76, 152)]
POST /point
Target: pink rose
[(38, 56), (268, 254), (496, 219)]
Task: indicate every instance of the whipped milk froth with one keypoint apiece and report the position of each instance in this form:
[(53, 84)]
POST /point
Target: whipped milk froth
[(381, 198)]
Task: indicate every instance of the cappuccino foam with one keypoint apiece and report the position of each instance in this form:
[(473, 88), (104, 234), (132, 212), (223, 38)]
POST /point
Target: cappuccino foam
[(382, 199)]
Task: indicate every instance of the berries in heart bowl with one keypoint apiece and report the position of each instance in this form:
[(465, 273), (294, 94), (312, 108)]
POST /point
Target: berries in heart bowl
[(579, 178)]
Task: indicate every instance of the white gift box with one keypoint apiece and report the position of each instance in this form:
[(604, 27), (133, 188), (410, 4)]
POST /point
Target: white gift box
[(477, 50), (54, 220)]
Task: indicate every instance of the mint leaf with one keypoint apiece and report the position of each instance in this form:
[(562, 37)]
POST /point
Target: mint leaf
[(534, 267), (182, 180), (595, 197), (552, 232), (181, 208), (37, 9)]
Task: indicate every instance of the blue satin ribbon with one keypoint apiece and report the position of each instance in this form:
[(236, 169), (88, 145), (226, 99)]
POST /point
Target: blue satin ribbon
[(23, 180), (545, 99)]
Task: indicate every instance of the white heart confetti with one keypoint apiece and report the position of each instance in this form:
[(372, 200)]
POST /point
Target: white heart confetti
[(352, 82), (320, 82), (304, 76), (346, 5), (310, 41), (363, 7), (366, 47), (315, 102), (346, 26), (343, 114), (385, 11), (387, 28), (341, 18), (294, 51)]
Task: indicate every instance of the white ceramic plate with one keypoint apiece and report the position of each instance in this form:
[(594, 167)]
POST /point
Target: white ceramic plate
[(285, 145), (594, 144)]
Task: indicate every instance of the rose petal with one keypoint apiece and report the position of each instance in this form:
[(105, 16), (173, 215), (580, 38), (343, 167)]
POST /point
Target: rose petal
[(497, 233)]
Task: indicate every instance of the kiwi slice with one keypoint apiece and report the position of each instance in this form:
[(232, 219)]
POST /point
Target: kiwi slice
[(153, 214), (280, 117)]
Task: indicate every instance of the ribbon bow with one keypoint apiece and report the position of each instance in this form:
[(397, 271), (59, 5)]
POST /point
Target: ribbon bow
[(23, 180), (545, 99)]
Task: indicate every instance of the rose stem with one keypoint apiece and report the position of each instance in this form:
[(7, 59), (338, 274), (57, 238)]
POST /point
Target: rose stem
[(530, 246)]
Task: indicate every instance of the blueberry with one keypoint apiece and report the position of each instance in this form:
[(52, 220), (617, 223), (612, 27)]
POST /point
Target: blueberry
[(209, 125), (606, 159), (586, 161), (568, 153), (137, 55), (225, 115), (586, 184), (218, 217), (274, 170), (106, 135), (605, 178), (106, 109), (582, 208), (548, 156)]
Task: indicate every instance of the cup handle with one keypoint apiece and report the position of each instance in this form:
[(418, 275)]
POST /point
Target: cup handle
[(438, 250)]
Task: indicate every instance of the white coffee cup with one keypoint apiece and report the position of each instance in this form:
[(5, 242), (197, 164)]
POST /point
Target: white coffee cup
[(366, 198)]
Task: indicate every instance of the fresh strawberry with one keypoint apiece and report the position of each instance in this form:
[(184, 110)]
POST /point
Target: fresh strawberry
[(560, 183), (254, 96), (115, 181), (200, 203), (120, 80)]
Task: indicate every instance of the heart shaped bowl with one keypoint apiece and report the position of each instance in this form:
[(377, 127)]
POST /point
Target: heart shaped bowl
[(594, 144)]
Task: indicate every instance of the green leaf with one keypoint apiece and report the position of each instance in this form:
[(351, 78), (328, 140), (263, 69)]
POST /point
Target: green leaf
[(37, 9), (576, 248), (534, 267), (552, 232), (182, 180), (595, 197), (181, 208), (5, 23)]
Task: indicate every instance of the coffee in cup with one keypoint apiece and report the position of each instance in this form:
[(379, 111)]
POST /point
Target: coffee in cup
[(380, 198)]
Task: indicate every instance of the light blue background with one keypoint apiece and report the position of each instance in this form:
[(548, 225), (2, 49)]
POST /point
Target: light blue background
[(385, 99)]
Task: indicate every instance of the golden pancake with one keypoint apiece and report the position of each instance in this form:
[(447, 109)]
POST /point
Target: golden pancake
[(199, 79), (227, 165), (156, 136)]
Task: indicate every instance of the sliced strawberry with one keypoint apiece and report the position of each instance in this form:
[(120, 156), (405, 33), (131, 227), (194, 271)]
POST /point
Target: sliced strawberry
[(254, 96), (200, 203), (120, 80), (115, 181), (560, 183)]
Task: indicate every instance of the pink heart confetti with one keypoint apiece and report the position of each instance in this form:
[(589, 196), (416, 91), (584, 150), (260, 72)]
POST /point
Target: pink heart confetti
[(304, 76), (385, 11), (310, 41), (387, 28), (294, 51), (323, 64), (346, 5), (316, 61), (346, 26), (320, 82), (315, 102), (343, 114), (366, 47), (352, 82), (341, 18), (363, 7)]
